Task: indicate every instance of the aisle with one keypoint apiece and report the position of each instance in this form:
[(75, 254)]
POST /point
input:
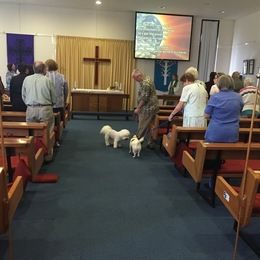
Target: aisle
[(108, 205)]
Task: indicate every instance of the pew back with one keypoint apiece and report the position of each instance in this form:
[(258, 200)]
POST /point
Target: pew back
[(15, 116), (186, 134), (23, 129), (160, 125), (218, 152)]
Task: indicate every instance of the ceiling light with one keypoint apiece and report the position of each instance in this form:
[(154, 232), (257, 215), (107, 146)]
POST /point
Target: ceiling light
[(163, 7), (98, 2), (246, 43), (221, 12)]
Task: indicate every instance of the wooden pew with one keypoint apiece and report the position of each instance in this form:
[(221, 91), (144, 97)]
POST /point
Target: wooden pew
[(7, 106), (173, 98), (67, 114), (209, 158), (164, 112), (186, 134), (250, 205), (9, 200), (166, 107), (160, 125), (38, 130), (245, 122), (181, 134), (14, 116), (24, 147), (58, 127), (160, 119)]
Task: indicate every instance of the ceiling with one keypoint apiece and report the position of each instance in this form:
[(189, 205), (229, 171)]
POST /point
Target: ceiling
[(233, 9)]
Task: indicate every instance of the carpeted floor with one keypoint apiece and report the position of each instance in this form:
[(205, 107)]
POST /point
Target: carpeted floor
[(108, 205)]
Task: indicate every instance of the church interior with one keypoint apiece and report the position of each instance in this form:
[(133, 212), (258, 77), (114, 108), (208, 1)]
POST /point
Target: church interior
[(119, 170)]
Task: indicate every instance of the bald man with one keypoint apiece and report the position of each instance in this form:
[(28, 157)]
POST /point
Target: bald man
[(39, 96)]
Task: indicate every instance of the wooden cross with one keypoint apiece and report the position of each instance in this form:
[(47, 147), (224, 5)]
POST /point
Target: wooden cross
[(97, 60)]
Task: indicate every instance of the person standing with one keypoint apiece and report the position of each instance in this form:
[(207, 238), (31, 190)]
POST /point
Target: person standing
[(38, 94), (2, 88), (238, 82), (60, 85), (223, 109), (16, 89), (2, 91), (214, 88), (193, 101), (211, 81), (9, 74), (248, 95), (173, 88), (174, 83), (147, 106)]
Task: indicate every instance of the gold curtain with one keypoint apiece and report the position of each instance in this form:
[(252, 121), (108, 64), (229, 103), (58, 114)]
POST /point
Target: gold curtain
[(70, 52)]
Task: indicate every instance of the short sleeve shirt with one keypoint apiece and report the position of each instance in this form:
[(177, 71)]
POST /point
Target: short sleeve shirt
[(224, 110), (195, 98)]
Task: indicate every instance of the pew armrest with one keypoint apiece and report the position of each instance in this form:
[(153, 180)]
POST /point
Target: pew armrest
[(167, 144), (189, 163), (14, 196), (228, 196), (39, 159)]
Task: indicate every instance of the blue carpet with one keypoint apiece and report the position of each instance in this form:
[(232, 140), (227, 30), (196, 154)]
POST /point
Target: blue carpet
[(108, 205)]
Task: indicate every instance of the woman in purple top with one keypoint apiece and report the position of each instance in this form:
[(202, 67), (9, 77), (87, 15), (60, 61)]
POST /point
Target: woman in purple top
[(223, 109)]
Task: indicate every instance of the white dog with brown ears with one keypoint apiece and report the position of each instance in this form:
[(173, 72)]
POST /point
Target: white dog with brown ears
[(135, 146), (114, 137)]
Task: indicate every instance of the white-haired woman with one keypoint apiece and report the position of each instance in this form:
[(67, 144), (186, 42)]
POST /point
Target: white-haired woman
[(248, 93), (193, 102), (195, 73)]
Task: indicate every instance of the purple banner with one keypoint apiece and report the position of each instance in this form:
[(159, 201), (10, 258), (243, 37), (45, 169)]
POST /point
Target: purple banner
[(20, 48)]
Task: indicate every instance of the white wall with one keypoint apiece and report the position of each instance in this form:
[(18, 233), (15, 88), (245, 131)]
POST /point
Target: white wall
[(246, 30), (46, 22), (224, 49)]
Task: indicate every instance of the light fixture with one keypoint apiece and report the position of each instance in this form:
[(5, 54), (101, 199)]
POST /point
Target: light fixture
[(246, 43), (163, 7), (98, 2), (221, 12)]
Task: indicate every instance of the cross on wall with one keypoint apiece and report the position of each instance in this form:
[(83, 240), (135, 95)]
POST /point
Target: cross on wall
[(96, 60)]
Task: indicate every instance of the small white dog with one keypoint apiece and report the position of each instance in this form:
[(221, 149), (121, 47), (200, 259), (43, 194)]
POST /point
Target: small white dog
[(114, 137), (135, 146)]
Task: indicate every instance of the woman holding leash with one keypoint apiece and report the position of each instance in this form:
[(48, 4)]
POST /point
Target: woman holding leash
[(193, 101)]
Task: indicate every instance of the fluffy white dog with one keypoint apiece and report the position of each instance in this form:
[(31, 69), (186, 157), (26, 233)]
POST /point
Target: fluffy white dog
[(135, 146), (114, 137)]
